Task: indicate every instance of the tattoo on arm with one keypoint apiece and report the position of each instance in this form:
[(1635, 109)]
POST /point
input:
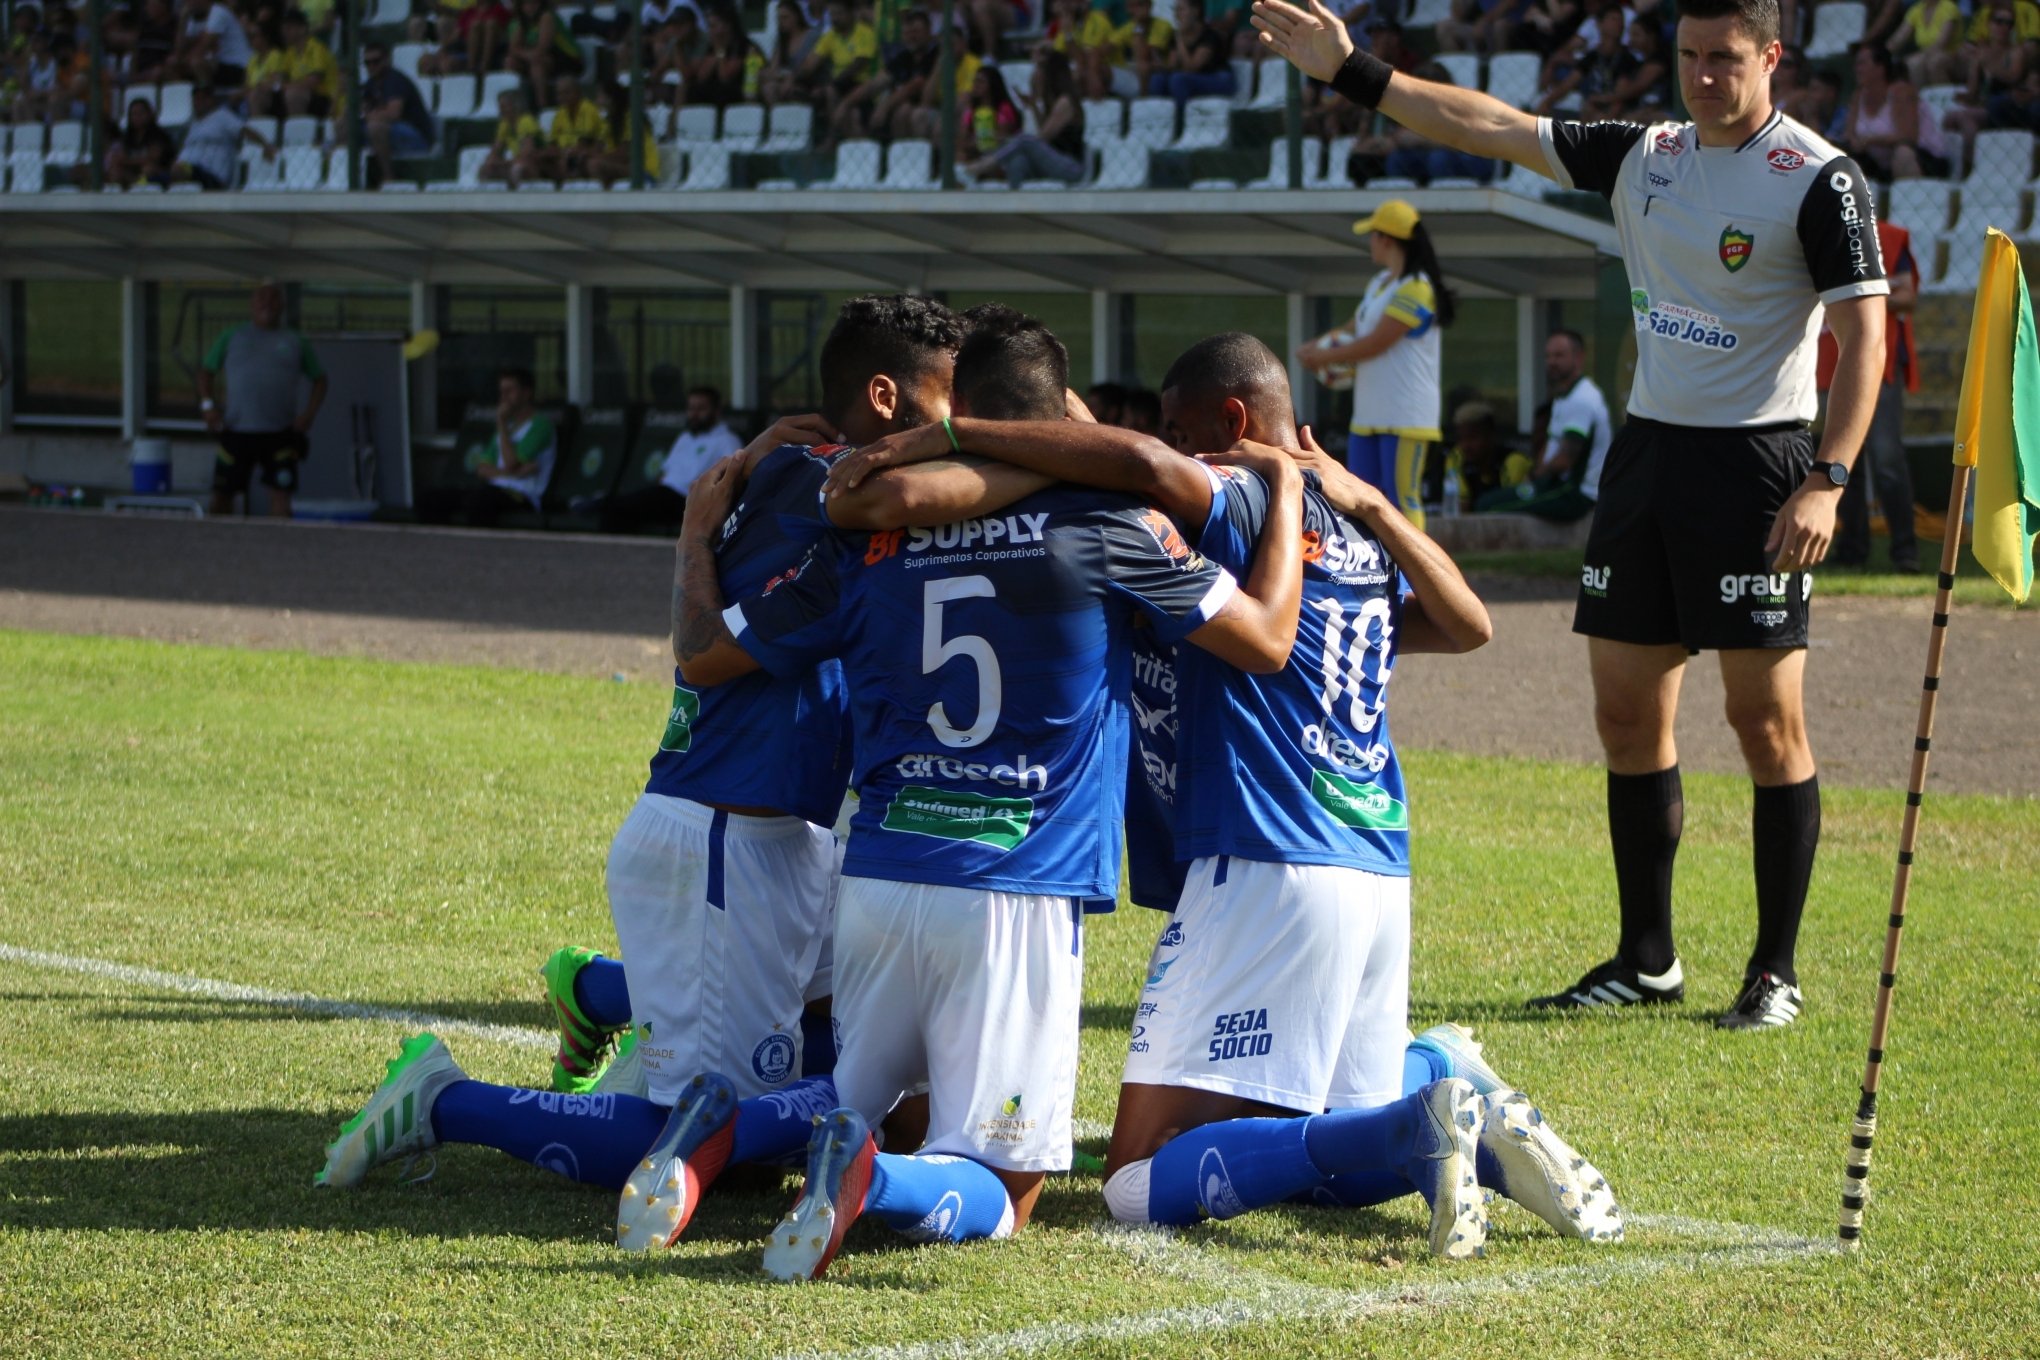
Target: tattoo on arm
[(697, 605)]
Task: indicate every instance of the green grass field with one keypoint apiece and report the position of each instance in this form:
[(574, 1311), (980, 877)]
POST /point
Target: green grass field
[(420, 837)]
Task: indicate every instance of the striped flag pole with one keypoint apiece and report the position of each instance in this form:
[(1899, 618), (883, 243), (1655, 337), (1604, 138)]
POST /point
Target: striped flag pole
[(1864, 1131)]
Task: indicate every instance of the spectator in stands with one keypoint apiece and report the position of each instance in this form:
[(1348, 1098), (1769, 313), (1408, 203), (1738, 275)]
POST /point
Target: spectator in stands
[(1932, 33), (1883, 455), (155, 37), (538, 47), (1107, 401), (987, 22), (525, 447), (1567, 478), (1792, 91), (140, 151), (612, 164), (988, 120), (676, 46), (908, 73), (470, 34), (1481, 458), (844, 57), (212, 48), (513, 154), (1056, 149), (1547, 25), (1590, 76), (579, 135), (1998, 67), (2025, 20), (1401, 154), (1143, 412), (705, 441), (791, 45), (312, 77), (266, 69), (259, 423), (1888, 130), (1198, 63), (1086, 38), (1138, 46), (928, 120), (1483, 26), (38, 94), (393, 112), (727, 70), (211, 155)]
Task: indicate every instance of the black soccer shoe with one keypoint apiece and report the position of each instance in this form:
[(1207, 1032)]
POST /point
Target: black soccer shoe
[(1616, 984), (1767, 1002)]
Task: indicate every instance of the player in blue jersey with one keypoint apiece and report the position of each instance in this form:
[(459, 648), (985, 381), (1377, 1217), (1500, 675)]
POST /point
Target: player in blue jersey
[(1279, 986), (987, 664), (722, 878)]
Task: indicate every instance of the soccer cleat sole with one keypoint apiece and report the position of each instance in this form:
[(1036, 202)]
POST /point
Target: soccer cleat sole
[(840, 1154), (659, 1199), (397, 1120), (1446, 1161), (1544, 1174)]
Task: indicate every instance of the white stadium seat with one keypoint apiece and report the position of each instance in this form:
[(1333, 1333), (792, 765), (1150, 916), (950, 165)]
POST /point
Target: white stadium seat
[(789, 127), (1921, 206), (857, 165), (173, 108), (1271, 85), (404, 57), (743, 127), (1427, 13), (1513, 77), (497, 83), (457, 98), (1940, 98), (1207, 122), (260, 174), (1837, 26), (66, 144), (1104, 120), (1463, 67), (1243, 81), (695, 125), (1330, 173), (32, 137), (708, 167), (1122, 165), (301, 132), (910, 164), (25, 172), (1278, 163), (1151, 122)]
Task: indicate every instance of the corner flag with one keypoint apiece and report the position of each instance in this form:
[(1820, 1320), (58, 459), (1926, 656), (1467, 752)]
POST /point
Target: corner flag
[(1997, 424)]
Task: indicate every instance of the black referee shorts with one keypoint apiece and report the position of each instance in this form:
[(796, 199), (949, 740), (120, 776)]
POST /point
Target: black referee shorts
[(1676, 552)]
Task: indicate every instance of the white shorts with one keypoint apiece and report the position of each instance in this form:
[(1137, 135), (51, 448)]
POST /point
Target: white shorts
[(1287, 984), (722, 920), (977, 994)]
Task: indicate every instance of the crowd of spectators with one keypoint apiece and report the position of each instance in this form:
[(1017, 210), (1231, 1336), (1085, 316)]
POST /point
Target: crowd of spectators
[(870, 69)]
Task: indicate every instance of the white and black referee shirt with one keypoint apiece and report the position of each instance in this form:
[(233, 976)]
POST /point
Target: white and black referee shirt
[(1731, 254)]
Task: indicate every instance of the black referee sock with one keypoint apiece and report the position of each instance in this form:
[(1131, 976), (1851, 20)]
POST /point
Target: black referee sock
[(1646, 813), (1784, 834)]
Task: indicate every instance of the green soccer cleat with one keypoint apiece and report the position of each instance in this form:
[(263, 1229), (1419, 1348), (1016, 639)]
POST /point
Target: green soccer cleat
[(397, 1121), (584, 1049)]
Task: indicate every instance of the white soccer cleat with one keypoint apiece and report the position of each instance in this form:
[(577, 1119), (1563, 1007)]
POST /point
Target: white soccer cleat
[(397, 1121), (1541, 1172), (1463, 1051), (1443, 1168)]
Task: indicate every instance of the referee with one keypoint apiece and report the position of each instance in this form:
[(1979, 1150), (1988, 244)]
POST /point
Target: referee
[(1737, 228)]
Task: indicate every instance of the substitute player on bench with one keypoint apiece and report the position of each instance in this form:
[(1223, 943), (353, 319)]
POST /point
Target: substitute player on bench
[(1737, 229)]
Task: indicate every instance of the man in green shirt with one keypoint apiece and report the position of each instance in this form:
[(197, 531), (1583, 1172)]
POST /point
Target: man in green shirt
[(259, 423), (525, 447)]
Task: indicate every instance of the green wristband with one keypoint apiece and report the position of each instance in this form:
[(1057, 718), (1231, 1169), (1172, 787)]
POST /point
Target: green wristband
[(950, 430)]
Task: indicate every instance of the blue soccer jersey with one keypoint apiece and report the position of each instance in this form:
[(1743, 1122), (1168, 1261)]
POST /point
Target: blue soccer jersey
[(1297, 767), (988, 666), (764, 741)]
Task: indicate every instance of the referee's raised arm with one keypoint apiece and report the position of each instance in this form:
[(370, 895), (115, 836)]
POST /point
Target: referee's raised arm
[(1315, 41)]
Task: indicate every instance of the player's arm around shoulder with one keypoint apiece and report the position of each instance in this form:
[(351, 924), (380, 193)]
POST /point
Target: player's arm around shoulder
[(703, 646), (1256, 629), (1441, 613)]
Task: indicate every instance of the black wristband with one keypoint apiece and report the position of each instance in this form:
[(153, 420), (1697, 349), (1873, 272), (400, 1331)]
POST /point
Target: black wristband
[(1363, 79)]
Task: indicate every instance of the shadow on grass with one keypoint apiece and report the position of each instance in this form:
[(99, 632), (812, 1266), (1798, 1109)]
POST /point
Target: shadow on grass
[(203, 1010)]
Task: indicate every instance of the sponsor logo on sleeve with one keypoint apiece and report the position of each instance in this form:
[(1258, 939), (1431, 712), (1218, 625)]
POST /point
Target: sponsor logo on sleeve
[(1736, 246), (1594, 580), (1167, 537), (679, 737), (1856, 225), (1785, 160)]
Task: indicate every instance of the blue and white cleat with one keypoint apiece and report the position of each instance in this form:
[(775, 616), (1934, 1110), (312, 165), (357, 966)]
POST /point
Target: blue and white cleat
[(840, 1153), (663, 1192), (1462, 1051), (1541, 1172), (1448, 1138)]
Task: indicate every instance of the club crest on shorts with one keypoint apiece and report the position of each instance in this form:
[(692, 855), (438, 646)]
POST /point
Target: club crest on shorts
[(772, 1059), (1736, 245)]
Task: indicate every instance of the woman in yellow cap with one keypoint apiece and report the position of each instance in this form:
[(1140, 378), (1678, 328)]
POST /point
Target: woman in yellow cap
[(1391, 357)]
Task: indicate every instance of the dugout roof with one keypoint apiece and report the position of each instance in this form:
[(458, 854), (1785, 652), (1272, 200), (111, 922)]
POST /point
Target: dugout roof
[(1149, 241)]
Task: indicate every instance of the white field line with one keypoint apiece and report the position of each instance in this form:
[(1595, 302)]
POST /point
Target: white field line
[(263, 996), (1270, 1299)]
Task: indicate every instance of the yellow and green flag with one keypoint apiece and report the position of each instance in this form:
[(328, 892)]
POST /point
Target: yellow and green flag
[(1997, 424)]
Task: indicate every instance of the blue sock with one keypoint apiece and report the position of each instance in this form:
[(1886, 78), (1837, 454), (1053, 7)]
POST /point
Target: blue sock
[(1360, 1190), (938, 1199), (593, 1139), (776, 1125), (1222, 1170), (602, 994), (1422, 1065), (817, 1044), (1345, 1141)]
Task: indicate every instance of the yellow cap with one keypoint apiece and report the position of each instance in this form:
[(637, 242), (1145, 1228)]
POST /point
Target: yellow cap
[(1393, 218)]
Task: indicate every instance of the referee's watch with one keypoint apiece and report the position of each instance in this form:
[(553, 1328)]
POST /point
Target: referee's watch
[(1832, 475)]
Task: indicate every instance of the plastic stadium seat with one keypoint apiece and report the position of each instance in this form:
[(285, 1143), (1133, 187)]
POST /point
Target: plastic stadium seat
[(1463, 67), (708, 167), (26, 172), (695, 125), (1271, 85), (259, 174), (789, 127), (1122, 165), (776, 186), (6, 144), (404, 57), (1104, 120), (1019, 77), (66, 144), (1151, 122), (1965, 264), (1940, 98), (336, 171), (1921, 206), (545, 120), (301, 132), (457, 98), (910, 164), (145, 93), (1243, 82), (857, 162), (1331, 172), (2001, 155), (1207, 122), (32, 137), (386, 12), (497, 83), (1837, 26), (1427, 13), (1212, 184), (1278, 163), (743, 126), (303, 167), (173, 106), (1512, 77)]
